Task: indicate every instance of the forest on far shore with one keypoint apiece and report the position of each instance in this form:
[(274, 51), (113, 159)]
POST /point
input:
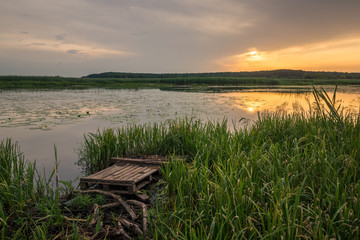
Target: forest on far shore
[(282, 73)]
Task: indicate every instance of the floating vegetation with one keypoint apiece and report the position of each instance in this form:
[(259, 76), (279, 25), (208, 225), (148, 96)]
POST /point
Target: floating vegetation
[(34, 109)]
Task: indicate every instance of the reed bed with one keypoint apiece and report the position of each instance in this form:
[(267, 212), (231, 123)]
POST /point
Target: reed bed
[(286, 177)]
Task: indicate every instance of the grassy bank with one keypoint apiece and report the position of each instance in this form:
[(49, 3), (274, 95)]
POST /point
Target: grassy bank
[(286, 177)]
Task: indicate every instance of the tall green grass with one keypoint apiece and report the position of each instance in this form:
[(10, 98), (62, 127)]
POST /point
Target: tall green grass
[(29, 206), (286, 177)]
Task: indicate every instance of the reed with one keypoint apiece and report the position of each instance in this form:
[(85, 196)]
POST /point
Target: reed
[(29, 202), (286, 177)]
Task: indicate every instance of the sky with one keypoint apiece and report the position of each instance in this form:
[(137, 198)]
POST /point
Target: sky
[(79, 37)]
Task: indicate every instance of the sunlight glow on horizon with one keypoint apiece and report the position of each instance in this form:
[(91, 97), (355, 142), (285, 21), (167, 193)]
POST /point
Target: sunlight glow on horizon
[(338, 55)]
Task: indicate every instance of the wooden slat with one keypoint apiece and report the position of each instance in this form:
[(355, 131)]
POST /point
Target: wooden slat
[(141, 177), (147, 161), (129, 174), (146, 172), (108, 182), (105, 172), (120, 171), (141, 185), (136, 174)]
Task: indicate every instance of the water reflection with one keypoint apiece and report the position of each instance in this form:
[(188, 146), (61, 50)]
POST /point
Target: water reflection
[(254, 101), (40, 119)]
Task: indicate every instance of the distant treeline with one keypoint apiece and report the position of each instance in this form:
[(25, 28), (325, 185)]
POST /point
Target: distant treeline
[(288, 74), (156, 80)]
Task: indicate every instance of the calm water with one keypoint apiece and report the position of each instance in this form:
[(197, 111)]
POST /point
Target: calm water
[(38, 120)]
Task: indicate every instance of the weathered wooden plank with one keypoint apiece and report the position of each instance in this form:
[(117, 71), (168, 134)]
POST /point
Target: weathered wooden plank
[(147, 161), (118, 175), (142, 184), (120, 171), (128, 175), (105, 172), (141, 177), (145, 174), (111, 182)]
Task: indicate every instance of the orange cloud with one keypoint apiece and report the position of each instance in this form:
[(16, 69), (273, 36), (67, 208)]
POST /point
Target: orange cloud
[(336, 55)]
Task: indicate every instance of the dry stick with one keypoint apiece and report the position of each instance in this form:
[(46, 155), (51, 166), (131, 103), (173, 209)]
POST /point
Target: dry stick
[(144, 211), (57, 236), (110, 205), (100, 232), (117, 197), (75, 219), (107, 232), (131, 226), (95, 218), (121, 231)]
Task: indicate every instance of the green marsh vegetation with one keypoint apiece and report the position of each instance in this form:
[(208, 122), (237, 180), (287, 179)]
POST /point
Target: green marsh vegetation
[(118, 80), (29, 201), (285, 177)]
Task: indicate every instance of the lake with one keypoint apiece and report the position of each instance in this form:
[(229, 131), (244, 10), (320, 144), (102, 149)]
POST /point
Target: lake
[(38, 120)]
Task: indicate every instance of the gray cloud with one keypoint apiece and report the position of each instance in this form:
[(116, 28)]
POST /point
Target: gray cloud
[(60, 37), (72, 51), (166, 35)]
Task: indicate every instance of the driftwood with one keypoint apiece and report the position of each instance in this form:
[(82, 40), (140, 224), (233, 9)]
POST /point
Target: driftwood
[(124, 227), (144, 211), (131, 226), (117, 197), (96, 216), (120, 231), (110, 205)]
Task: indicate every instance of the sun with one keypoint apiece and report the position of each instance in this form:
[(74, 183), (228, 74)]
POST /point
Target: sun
[(253, 53)]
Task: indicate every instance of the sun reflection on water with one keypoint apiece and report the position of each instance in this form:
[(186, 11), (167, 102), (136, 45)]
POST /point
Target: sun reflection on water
[(261, 101)]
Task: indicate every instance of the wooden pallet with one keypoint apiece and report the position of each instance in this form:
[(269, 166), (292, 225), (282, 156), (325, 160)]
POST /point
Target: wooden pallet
[(122, 178)]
